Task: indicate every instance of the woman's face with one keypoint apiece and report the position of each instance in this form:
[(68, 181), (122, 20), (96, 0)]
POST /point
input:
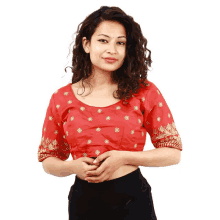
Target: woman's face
[(102, 46)]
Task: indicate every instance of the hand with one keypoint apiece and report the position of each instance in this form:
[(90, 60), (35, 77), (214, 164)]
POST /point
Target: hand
[(113, 160), (81, 166)]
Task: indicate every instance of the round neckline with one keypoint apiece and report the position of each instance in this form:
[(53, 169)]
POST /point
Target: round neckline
[(82, 103)]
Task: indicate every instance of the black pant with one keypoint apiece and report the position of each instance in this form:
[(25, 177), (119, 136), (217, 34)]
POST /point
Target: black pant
[(125, 198)]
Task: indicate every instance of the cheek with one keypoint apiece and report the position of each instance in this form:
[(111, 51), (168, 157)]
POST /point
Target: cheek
[(95, 56), (97, 48), (123, 52)]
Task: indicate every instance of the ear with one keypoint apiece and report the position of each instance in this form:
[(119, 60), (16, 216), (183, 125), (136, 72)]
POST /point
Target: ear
[(86, 45)]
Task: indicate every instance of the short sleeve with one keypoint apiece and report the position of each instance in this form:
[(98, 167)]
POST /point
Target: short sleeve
[(159, 121), (53, 143)]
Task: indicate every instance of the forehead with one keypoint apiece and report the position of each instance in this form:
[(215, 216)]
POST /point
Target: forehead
[(110, 28)]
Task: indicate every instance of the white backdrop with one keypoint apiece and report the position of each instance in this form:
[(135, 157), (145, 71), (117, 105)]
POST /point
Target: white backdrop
[(183, 37)]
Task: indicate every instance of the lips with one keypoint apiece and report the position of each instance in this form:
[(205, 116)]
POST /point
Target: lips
[(110, 58)]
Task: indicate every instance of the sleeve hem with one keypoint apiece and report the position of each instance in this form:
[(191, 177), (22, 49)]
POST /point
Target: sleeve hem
[(42, 158), (172, 144)]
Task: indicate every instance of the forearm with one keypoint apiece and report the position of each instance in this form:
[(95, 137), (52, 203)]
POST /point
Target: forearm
[(57, 167), (159, 157)]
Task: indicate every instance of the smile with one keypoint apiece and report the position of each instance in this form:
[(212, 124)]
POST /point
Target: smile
[(110, 61)]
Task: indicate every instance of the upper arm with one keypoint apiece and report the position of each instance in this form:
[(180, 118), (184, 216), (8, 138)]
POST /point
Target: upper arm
[(52, 142), (159, 122)]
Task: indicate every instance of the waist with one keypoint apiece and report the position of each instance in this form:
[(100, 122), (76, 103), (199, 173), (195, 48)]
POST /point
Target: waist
[(121, 171), (133, 176)]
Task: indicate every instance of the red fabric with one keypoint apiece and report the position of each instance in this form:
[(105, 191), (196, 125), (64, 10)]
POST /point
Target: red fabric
[(71, 126)]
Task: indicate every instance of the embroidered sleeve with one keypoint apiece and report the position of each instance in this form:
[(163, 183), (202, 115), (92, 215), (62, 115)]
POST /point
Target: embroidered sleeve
[(53, 139), (159, 121)]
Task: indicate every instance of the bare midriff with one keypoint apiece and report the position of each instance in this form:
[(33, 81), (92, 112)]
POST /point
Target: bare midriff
[(103, 97), (121, 171)]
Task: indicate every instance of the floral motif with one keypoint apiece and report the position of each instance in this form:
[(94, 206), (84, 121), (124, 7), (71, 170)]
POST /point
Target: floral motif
[(160, 104), (168, 136), (50, 148)]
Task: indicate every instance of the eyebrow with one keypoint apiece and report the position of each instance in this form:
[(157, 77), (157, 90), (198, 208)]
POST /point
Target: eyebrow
[(109, 37)]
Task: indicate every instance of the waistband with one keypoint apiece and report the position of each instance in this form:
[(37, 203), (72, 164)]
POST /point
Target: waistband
[(130, 178)]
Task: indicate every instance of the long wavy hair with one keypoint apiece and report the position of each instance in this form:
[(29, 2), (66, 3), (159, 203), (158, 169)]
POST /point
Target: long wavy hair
[(133, 72)]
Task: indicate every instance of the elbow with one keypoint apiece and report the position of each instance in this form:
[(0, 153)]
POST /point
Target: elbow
[(178, 157), (176, 154), (45, 166)]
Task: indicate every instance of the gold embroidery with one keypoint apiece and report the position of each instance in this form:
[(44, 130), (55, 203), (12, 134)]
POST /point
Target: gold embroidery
[(167, 136), (97, 152), (135, 145), (82, 108), (106, 141), (79, 130), (49, 143), (117, 129), (52, 145), (160, 104), (126, 117)]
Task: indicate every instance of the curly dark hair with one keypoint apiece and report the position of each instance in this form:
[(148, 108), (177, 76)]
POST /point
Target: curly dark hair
[(133, 72)]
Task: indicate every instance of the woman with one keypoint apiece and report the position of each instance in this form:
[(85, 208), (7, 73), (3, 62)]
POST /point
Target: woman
[(109, 54)]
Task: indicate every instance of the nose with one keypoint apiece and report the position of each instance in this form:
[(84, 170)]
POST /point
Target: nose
[(112, 48)]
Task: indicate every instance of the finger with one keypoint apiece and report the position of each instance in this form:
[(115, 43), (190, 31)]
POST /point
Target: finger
[(96, 172), (101, 157), (91, 168), (93, 171), (89, 160), (93, 179), (91, 163), (97, 179)]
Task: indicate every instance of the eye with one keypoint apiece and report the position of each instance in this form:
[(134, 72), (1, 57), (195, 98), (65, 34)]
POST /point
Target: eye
[(122, 42), (106, 40), (101, 40)]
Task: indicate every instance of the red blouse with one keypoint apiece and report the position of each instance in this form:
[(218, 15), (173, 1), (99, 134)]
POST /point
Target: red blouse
[(71, 126)]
